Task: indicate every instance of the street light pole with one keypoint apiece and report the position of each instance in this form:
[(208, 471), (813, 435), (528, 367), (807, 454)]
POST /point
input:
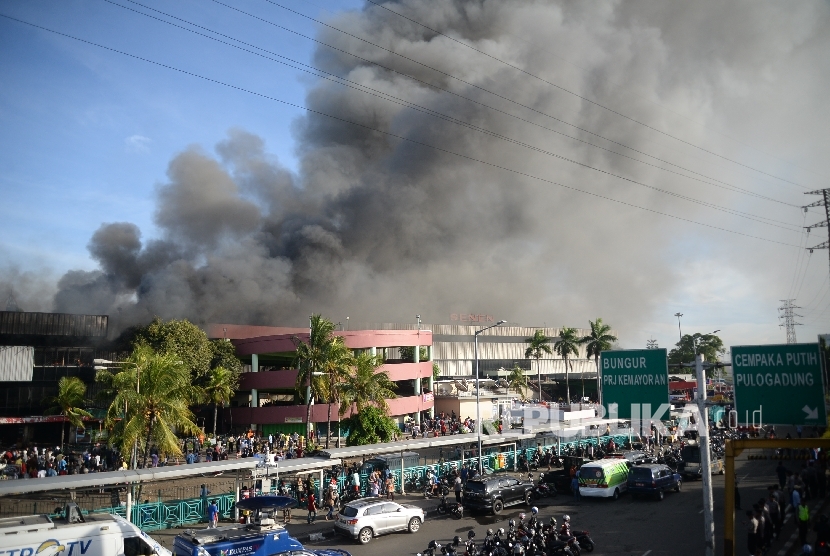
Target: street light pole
[(678, 315), (478, 393), (705, 457)]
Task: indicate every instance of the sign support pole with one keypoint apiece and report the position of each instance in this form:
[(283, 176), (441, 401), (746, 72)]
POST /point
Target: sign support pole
[(705, 459)]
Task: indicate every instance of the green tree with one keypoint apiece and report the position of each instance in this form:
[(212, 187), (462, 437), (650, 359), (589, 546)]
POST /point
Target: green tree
[(219, 388), (367, 386), (565, 346), (154, 395), (311, 360), (181, 338), (370, 426), (600, 339), (538, 345), (709, 345), (517, 380), (408, 353), (68, 402), (336, 367), (436, 371), (224, 355)]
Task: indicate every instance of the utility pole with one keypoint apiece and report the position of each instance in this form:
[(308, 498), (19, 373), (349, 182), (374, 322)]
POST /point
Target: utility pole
[(824, 202), (788, 315)]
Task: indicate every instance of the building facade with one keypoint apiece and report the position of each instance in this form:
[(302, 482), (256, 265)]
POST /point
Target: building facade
[(36, 351), (267, 397)]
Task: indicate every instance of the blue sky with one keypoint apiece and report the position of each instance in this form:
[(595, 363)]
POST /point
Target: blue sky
[(86, 137), (87, 134)]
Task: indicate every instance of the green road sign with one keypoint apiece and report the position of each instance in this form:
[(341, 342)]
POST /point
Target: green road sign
[(635, 383), (779, 385)]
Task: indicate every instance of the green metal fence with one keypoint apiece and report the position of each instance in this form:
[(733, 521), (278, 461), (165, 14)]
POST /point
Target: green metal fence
[(153, 516)]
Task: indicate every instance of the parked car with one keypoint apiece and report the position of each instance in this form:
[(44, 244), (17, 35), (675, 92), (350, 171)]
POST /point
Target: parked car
[(493, 494), (367, 518), (690, 467), (653, 479)]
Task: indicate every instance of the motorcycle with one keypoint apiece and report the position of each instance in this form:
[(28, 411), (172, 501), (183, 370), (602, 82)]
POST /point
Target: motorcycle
[(542, 490), (431, 549), (584, 539), (454, 508)]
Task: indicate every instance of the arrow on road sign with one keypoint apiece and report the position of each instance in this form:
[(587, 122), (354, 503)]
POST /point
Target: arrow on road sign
[(811, 413)]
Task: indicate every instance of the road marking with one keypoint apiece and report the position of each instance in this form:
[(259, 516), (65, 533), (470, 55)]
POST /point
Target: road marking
[(700, 512), (647, 552)]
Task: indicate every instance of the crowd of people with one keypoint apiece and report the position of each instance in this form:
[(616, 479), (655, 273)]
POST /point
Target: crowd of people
[(441, 425), (39, 462)]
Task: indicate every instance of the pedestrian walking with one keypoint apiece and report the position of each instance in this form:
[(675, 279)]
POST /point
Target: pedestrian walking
[(575, 486), (458, 487)]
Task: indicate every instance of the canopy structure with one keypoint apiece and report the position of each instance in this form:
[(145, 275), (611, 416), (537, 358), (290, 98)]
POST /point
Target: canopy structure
[(152, 474)]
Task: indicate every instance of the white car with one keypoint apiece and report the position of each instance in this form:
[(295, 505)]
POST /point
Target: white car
[(366, 518)]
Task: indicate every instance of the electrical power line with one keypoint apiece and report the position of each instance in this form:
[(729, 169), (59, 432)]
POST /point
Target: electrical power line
[(390, 134), (391, 98), (586, 99)]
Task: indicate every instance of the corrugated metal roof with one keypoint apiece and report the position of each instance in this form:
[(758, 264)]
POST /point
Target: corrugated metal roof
[(53, 324), (16, 363)]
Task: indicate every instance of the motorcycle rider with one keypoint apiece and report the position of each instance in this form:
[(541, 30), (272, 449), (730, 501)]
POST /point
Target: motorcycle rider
[(566, 526), (533, 523)]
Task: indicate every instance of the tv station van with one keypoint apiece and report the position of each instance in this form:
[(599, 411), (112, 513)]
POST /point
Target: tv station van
[(260, 536), (605, 478), (75, 534)]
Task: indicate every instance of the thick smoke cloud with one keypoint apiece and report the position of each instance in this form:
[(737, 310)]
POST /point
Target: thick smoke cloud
[(381, 229)]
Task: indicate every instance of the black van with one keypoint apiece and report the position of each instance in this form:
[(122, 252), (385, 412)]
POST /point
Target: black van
[(653, 479)]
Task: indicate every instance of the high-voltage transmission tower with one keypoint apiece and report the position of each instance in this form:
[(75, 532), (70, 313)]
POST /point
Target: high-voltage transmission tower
[(824, 202), (786, 313)]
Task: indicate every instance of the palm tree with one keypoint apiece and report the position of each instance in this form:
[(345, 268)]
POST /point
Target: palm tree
[(154, 395), (566, 345), (336, 370), (596, 342), (311, 361), (366, 386), (71, 393), (517, 380), (539, 345), (220, 386)]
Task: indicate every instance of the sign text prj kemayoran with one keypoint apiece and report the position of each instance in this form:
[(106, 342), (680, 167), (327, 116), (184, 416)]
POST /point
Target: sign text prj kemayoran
[(635, 383)]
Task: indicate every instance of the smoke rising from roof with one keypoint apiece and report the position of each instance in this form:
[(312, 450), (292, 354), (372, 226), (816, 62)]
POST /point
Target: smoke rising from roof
[(381, 229)]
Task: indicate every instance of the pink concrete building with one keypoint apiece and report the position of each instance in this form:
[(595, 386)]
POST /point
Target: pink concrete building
[(267, 399)]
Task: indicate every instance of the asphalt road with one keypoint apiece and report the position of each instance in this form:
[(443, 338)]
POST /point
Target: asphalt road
[(627, 526)]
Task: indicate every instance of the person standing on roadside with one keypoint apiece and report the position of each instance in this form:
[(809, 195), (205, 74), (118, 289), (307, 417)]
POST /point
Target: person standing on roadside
[(458, 487), (752, 533), (312, 508), (390, 487), (213, 514), (802, 514)]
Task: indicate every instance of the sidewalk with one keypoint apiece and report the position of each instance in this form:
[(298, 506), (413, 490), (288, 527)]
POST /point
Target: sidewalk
[(300, 529)]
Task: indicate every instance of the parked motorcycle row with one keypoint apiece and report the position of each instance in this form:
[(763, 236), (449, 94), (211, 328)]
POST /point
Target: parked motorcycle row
[(523, 538)]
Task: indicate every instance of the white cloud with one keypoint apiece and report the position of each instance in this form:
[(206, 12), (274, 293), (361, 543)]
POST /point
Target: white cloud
[(138, 144)]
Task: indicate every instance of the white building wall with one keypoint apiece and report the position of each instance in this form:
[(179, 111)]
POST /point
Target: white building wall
[(17, 363)]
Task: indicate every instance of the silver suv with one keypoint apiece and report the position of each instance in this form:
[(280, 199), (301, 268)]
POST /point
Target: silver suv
[(366, 518)]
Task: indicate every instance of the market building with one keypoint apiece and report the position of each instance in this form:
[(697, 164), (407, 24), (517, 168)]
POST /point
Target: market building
[(36, 351), (267, 398)]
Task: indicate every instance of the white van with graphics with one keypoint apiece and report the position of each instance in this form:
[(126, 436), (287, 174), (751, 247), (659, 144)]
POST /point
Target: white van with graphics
[(606, 478), (75, 535)]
